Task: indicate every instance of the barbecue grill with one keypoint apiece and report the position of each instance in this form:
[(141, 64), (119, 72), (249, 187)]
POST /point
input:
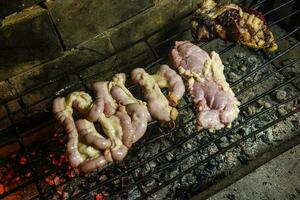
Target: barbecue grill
[(168, 163)]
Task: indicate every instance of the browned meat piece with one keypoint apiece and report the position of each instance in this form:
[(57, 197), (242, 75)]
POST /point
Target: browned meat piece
[(133, 113), (215, 101), (122, 117), (159, 106), (63, 112), (104, 102), (168, 78), (234, 23), (90, 136), (90, 146)]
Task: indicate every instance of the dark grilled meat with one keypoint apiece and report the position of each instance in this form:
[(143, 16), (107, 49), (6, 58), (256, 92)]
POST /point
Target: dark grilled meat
[(233, 23)]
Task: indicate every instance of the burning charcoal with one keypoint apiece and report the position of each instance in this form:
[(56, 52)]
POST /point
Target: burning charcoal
[(187, 145), (232, 77), (152, 164), (231, 157), (223, 142), (134, 193), (166, 142), (163, 193), (251, 148), (149, 184), (203, 138), (244, 159), (190, 161), (169, 156), (65, 196), (141, 152), (296, 120), (23, 160), (240, 55), (183, 193), (281, 95), (189, 130), (268, 136), (212, 149), (158, 177), (283, 131), (243, 68), (212, 165), (190, 144), (152, 150), (146, 169), (174, 172), (103, 178), (264, 103), (2, 189), (188, 179), (200, 173), (99, 196), (251, 110), (282, 111), (137, 172), (186, 115)]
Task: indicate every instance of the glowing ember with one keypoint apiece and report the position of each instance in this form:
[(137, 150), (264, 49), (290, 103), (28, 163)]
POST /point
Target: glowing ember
[(49, 180), (70, 172), (56, 180), (99, 196), (23, 160), (28, 174), (10, 174), (105, 193), (17, 179), (60, 189), (2, 189)]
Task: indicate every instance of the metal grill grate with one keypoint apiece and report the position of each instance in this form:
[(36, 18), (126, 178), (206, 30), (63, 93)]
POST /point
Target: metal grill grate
[(128, 177)]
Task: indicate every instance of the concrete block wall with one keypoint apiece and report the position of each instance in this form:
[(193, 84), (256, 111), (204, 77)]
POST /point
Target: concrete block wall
[(41, 40)]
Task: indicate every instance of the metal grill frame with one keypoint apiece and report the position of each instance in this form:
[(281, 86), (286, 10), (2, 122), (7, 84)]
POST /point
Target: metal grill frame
[(19, 133)]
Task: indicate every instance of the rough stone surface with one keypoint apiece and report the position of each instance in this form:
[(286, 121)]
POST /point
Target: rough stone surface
[(93, 17), (100, 69), (69, 62), (4, 120), (39, 101), (137, 55), (40, 83), (11, 6), (99, 46), (153, 19), (2, 111), (37, 43), (51, 90), (277, 179), (72, 61), (4, 90), (4, 124)]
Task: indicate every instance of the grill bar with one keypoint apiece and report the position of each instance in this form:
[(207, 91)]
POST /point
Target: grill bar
[(266, 77), (278, 7), (263, 65), (220, 152), (211, 142), (269, 91)]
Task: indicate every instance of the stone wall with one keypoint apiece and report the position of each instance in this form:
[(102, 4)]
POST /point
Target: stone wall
[(42, 41)]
